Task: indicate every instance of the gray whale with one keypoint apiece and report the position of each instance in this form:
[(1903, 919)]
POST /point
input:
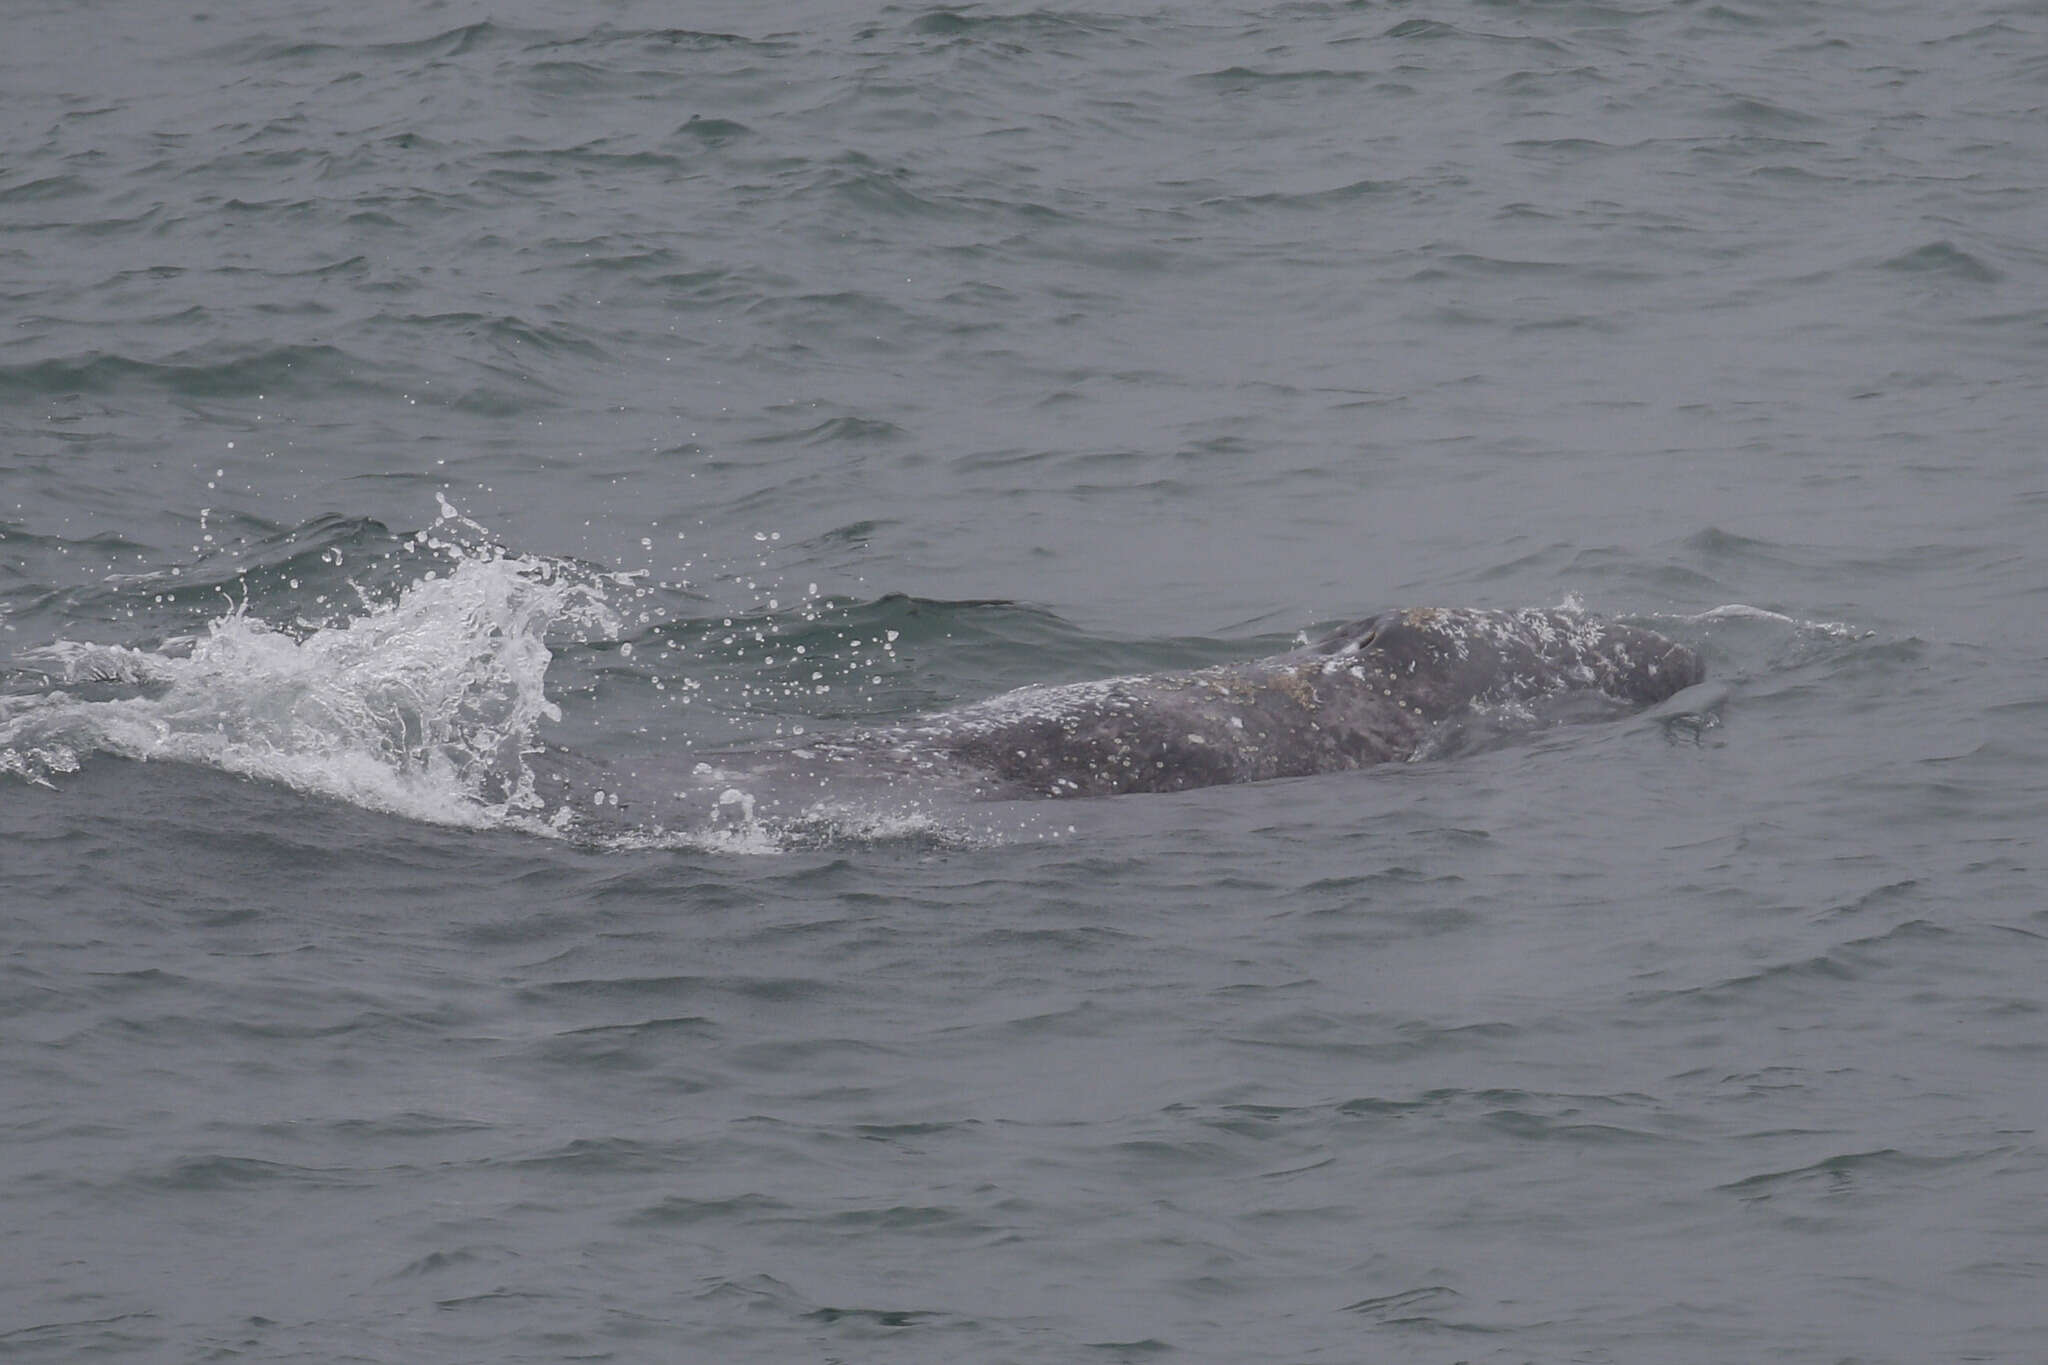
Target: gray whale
[(1370, 692), (1375, 691)]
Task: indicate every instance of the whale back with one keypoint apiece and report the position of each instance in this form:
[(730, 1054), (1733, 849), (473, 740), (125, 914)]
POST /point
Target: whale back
[(1446, 658)]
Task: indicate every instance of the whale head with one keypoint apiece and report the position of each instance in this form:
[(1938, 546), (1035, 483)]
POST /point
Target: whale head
[(1450, 653)]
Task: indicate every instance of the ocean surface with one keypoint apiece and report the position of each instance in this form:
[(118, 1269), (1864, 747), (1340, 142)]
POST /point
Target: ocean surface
[(399, 399)]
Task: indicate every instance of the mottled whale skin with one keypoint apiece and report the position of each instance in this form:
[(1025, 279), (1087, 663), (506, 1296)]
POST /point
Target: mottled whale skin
[(1380, 690), (1368, 693)]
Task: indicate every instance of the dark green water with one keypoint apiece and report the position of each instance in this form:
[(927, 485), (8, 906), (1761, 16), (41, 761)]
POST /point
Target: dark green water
[(385, 389)]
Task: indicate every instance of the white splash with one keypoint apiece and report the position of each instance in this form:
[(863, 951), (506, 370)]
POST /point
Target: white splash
[(428, 706), (422, 707)]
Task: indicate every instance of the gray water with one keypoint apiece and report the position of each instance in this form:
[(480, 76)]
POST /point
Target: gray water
[(386, 390)]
